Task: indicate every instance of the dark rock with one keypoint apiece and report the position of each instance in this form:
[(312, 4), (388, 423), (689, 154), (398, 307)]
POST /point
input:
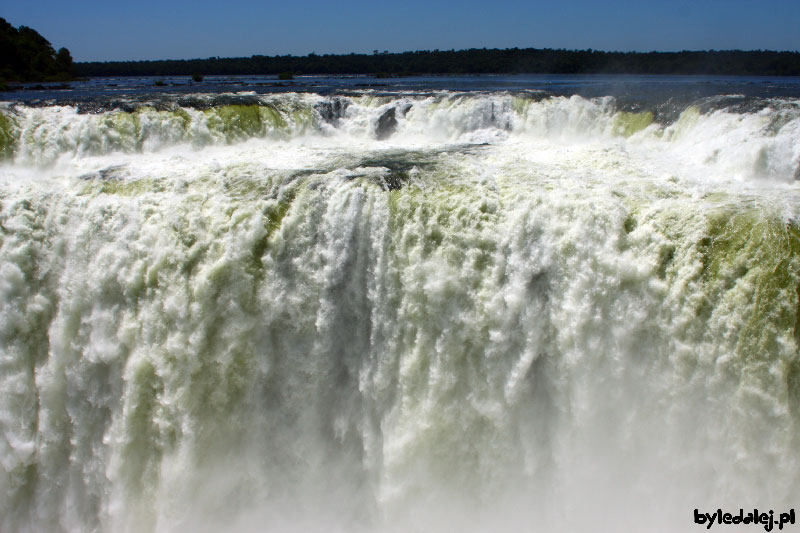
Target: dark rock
[(333, 109), (387, 124), (114, 172), (395, 180)]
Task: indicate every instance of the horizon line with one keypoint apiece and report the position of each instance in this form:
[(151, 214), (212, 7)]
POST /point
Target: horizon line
[(439, 50)]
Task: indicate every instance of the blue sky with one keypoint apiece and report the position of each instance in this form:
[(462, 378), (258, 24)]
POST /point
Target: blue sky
[(147, 29)]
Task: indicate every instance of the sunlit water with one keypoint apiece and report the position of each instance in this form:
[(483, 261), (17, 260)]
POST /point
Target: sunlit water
[(398, 309)]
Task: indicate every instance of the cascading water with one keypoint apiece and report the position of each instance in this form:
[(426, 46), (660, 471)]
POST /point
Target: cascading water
[(430, 311)]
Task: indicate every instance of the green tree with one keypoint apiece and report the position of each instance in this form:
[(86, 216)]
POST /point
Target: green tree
[(64, 61), (27, 56)]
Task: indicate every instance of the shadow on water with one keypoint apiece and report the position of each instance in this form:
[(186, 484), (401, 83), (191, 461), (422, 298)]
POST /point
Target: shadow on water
[(404, 165)]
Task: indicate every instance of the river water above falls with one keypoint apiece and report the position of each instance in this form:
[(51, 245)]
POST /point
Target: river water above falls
[(399, 309)]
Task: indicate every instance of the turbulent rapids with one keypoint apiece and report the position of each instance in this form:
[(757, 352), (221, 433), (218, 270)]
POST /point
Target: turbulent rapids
[(419, 311)]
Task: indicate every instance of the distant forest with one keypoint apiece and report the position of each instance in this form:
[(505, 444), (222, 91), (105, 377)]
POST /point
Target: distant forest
[(473, 61), (27, 56)]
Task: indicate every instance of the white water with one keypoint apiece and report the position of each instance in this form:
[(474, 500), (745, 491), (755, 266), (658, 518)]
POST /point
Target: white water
[(583, 324)]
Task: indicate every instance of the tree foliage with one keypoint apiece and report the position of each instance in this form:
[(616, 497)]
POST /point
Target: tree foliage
[(27, 56), (473, 61)]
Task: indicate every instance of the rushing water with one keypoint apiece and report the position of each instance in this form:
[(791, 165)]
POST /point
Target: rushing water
[(403, 308)]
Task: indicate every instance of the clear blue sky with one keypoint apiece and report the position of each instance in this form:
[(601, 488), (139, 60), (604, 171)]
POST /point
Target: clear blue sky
[(148, 29)]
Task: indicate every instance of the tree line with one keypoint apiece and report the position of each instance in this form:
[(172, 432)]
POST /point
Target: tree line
[(472, 61), (27, 56)]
